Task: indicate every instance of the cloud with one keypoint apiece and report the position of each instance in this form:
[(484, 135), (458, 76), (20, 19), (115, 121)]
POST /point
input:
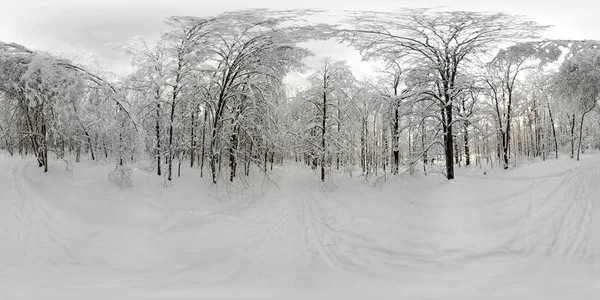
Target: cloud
[(73, 26)]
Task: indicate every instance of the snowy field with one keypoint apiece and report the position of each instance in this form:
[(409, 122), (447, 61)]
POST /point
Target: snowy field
[(529, 233)]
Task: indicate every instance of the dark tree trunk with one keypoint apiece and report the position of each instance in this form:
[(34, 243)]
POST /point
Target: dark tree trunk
[(171, 156), (77, 153), (573, 136), (363, 146), (34, 143), (121, 146), (456, 154), (339, 129), (467, 148), (396, 137), (105, 149), (553, 131), (385, 142), (89, 139), (232, 153), (323, 130), (44, 147), (581, 129), (449, 140), (157, 150), (466, 114), (172, 117), (537, 130), (202, 151), (179, 167), (213, 155), (266, 156), (423, 137), (217, 120), (193, 136), (396, 123), (507, 133), (248, 160)]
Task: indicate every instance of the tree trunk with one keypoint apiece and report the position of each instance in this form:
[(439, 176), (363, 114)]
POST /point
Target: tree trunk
[(44, 147), (339, 129), (77, 153), (202, 151), (193, 137), (395, 142), (581, 129), (105, 149), (553, 130), (507, 132), (410, 152), (466, 145), (385, 151), (363, 145), (323, 129), (537, 130), (171, 156), (158, 164), (266, 157), (89, 141), (375, 151), (34, 143), (232, 153), (423, 132), (213, 155), (456, 154), (247, 171), (449, 140), (172, 117), (573, 136)]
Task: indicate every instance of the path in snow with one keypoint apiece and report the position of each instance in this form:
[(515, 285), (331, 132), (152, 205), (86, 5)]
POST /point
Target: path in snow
[(529, 233)]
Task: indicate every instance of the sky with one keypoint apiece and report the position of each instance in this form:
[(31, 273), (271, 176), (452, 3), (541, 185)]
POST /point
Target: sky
[(83, 28)]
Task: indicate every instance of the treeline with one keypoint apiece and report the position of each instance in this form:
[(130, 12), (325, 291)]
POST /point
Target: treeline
[(457, 88)]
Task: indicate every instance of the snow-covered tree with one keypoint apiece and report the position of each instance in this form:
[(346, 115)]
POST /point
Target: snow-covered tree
[(444, 42)]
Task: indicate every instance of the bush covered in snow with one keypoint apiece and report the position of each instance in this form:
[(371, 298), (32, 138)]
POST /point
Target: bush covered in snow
[(122, 176)]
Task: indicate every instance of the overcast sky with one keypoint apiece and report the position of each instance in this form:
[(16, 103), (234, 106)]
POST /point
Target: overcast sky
[(86, 26)]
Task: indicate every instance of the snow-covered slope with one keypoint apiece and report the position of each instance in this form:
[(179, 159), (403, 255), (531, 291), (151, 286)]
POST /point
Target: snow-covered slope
[(528, 233)]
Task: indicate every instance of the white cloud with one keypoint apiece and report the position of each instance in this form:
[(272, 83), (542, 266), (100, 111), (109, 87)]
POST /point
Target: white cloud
[(87, 26)]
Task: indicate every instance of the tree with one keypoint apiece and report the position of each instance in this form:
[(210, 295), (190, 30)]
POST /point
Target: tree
[(504, 70), (46, 92), (149, 78), (396, 91), (578, 80), (443, 41), (327, 84), (185, 42), (245, 47)]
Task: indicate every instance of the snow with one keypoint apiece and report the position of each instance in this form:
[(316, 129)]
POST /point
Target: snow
[(532, 232)]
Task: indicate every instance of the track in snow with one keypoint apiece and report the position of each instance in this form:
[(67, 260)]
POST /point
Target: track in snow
[(479, 235)]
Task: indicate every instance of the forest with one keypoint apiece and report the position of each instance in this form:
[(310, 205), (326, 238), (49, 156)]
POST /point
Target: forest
[(234, 159), (455, 89)]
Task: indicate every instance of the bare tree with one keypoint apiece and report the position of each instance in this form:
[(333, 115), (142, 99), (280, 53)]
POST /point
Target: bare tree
[(444, 41), (578, 80)]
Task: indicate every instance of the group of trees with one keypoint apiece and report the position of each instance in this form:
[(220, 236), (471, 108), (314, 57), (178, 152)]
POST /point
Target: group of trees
[(455, 87), (52, 105)]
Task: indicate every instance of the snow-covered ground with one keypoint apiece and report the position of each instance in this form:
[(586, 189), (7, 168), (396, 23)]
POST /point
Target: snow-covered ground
[(528, 233)]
